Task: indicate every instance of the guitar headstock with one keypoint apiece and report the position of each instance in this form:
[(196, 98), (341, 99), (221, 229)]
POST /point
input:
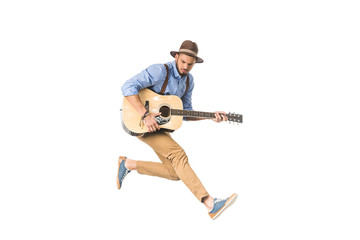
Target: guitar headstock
[(233, 117)]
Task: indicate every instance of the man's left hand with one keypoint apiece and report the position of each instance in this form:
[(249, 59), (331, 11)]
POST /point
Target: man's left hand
[(220, 116)]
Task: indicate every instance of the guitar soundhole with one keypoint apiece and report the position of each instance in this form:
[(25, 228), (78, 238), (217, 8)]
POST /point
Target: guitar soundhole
[(165, 111)]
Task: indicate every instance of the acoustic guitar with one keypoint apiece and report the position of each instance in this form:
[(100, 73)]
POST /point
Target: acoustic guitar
[(171, 112)]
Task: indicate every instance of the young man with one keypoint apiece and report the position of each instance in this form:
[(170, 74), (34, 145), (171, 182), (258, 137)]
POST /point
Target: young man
[(175, 165)]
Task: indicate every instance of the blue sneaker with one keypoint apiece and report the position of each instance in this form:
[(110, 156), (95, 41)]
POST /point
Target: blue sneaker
[(221, 204), (122, 171)]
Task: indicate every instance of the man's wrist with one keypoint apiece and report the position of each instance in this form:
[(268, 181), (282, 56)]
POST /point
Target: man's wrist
[(145, 115)]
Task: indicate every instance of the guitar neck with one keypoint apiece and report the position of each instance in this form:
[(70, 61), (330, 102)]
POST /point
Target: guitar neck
[(191, 113)]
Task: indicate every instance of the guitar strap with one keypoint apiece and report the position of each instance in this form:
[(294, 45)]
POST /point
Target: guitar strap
[(163, 88)]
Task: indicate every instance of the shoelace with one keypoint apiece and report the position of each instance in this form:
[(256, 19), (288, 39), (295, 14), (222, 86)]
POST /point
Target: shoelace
[(219, 200), (126, 173)]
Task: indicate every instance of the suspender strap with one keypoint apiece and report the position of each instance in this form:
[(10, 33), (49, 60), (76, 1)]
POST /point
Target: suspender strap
[(163, 88), (166, 81), (187, 84)]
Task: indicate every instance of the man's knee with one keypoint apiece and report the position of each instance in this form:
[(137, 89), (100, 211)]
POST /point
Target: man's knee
[(174, 178), (178, 158)]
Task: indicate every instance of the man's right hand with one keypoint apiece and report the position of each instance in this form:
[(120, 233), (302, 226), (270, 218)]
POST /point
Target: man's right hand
[(149, 120), (151, 123)]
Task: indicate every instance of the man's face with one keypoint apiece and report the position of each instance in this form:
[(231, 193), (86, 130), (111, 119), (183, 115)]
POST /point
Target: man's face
[(184, 63)]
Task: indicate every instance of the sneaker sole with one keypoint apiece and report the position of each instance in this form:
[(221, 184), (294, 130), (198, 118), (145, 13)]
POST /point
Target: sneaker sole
[(117, 177), (229, 202)]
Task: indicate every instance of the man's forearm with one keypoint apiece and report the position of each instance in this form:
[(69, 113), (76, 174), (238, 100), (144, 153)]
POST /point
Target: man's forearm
[(149, 120), (135, 101)]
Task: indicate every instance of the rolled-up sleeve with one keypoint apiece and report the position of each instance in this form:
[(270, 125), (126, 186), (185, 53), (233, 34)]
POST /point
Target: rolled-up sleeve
[(146, 78)]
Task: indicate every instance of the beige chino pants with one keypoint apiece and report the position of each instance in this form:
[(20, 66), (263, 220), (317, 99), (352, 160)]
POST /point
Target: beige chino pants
[(174, 166)]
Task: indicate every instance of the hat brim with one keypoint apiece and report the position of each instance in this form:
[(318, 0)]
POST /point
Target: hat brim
[(198, 60)]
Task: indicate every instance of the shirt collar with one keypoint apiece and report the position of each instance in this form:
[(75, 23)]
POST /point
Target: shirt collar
[(176, 73)]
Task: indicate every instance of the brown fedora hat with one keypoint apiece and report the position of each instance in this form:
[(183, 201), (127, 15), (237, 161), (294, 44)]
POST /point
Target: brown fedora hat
[(190, 48)]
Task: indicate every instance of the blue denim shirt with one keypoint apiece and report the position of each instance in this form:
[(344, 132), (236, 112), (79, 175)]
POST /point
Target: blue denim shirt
[(153, 78)]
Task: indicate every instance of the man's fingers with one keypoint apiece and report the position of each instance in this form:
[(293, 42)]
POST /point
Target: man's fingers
[(220, 116), (153, 127), (225, 117)]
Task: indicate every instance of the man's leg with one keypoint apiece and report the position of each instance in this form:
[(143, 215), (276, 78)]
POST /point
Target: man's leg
[(163, 170), (175, 161), (175, 166)]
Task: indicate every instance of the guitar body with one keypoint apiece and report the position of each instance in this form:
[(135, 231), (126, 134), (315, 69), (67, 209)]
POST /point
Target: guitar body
[(131, 119), (171, 112)]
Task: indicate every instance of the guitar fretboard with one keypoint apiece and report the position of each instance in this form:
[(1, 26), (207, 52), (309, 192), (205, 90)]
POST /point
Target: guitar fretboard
[(190, 113)]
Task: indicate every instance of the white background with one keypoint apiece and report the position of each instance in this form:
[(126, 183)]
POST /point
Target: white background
[(290, 67)]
